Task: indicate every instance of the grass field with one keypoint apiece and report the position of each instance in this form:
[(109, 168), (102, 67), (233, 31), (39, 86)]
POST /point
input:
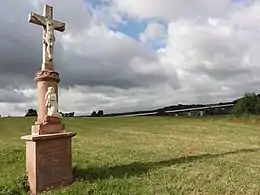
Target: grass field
[(145, 155)]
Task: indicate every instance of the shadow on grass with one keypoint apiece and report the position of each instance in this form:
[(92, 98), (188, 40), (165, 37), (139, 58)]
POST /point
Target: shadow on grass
[(137, 168)]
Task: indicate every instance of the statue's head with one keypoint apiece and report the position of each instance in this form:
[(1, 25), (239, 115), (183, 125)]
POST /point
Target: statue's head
[(51, 89)]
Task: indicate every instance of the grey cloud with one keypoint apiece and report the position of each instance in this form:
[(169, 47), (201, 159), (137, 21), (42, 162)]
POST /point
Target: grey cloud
[(224, 73), (248, 84), (12, 96), (74, 13), (109, 64), (172, 9), (18, 43)]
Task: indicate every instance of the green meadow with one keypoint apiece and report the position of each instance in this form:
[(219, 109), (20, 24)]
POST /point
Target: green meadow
[(146, 156)]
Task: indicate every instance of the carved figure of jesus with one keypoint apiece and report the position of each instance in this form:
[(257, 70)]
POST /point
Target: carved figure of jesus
[(49, 26), (49, 38), (51, 103)]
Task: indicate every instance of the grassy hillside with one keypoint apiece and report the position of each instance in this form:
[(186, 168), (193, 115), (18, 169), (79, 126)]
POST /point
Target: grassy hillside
[(146, 155)]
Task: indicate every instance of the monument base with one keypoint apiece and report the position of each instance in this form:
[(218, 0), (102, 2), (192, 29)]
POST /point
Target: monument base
[(48, 161)]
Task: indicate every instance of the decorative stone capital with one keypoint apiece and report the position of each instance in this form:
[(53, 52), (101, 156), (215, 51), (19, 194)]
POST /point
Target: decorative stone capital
[(47, 75)]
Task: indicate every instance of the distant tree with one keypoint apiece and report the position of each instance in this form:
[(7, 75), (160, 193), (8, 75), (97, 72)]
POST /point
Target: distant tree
[(71, 114), (249, 104), (100, 113), (94, 113), (31, 112)]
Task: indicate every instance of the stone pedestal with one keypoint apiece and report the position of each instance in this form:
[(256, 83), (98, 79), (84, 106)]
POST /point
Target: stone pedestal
[(48, 161)]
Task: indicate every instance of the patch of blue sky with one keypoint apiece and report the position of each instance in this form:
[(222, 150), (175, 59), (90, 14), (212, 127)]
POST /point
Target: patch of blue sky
[(132, 28)]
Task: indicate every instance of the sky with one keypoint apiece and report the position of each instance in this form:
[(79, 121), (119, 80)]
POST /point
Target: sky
[(127, 55)]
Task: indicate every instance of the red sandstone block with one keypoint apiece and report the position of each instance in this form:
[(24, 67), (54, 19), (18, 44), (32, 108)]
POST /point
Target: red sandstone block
[(48, 161), (47, 129)]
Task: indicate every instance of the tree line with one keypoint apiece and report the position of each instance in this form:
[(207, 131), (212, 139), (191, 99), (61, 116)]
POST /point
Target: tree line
[(249, 104), (33, 112)]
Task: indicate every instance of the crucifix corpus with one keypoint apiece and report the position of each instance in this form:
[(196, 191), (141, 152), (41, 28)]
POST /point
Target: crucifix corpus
[(48, 39)]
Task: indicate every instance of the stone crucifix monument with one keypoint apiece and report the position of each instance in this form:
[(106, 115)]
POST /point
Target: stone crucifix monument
[(48, 147)]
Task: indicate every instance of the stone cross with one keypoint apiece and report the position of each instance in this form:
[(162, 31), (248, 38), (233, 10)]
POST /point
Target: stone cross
[(48, 147), (48, 40)]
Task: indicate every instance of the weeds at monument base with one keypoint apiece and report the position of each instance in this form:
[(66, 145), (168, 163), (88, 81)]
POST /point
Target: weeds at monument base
[(21, 185)]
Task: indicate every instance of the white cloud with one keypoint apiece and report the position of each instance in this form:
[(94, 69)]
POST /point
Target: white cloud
[(246, 16), (74, 13), (153, 31), (172, 9)]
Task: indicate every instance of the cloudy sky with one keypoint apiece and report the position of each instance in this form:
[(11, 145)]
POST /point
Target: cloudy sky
[(125, 55)]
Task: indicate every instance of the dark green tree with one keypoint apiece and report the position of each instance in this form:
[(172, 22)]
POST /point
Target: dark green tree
[(31, 112), (247, 105), (94, 114), (100, 113)]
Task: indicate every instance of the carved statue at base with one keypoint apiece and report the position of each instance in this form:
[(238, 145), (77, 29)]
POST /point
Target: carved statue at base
[(49, 38), (51, 103)]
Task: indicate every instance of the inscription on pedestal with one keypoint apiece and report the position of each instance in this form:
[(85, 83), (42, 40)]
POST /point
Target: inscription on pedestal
[(54, 162)]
